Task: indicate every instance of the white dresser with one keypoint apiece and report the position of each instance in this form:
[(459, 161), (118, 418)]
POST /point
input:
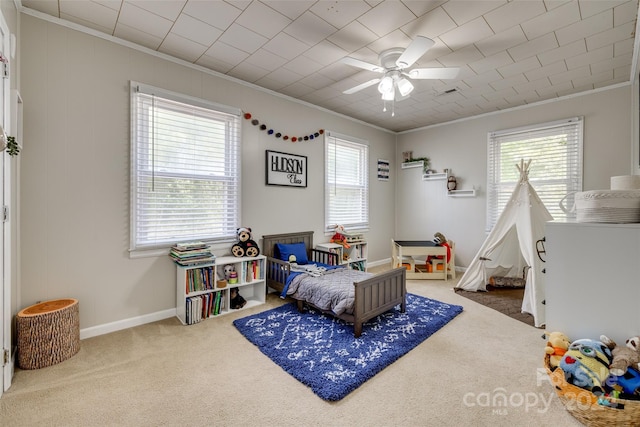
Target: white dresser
[(593, 279)]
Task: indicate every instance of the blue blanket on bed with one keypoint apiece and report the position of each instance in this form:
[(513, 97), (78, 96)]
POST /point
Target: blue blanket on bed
[(311, 268)]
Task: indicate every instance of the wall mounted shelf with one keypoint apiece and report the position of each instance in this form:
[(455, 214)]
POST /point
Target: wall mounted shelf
[(462, 193), (434, 176), (416, 164), (444, 176)]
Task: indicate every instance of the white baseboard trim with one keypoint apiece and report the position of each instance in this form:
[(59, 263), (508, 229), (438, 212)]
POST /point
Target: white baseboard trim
[(94, 331), (377, 263)]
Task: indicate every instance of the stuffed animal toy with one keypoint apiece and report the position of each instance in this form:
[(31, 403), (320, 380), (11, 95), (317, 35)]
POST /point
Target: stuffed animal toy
[(246, 246), (339, 237), (440, 240), (557, 345), (236, 299), (228, 269), (586, 364), (623, 357)]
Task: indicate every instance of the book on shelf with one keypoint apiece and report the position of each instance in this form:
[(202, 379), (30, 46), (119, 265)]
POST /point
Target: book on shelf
[(190, 245), (191, 253)]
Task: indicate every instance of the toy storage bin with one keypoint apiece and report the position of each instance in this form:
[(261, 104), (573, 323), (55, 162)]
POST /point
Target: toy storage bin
[(584, 406)]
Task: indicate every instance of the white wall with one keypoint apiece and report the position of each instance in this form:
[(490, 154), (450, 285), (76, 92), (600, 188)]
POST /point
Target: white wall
[(75, 171), (424, 208)]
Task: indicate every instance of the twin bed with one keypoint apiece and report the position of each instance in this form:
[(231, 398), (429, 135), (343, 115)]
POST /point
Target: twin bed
[(350, 295)]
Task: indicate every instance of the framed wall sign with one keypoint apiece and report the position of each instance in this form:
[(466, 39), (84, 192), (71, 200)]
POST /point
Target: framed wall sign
[(286, 169)]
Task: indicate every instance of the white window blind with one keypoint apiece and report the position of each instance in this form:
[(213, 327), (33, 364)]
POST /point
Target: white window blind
[(185, 169), (346, 182), (555, 150)]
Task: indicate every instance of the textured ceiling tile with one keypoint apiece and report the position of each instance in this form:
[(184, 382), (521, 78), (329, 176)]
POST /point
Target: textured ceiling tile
[(491, 62), (182, 48), (464, 11), (341, 13), (310, 29), (352, 37), (537, 46), (432, 24), (562, 52), (242, 38), (590, 57), (216, 13), (263, 20), (168, 9), (528, 64), (466, 34), (585, 28), (285, 46), (614, 35), (144, 20), (553, 20), (513, 13), (501, 41), (386, 17), (195, 30)]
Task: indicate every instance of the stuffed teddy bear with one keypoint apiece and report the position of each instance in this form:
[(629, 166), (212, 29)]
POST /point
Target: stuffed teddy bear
[(557, 345), (246, 246), (236, 299), (623, 356), (586, 364), (340, 238)]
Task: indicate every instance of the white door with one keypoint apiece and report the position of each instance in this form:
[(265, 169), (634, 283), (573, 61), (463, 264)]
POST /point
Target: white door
[(5, 230)]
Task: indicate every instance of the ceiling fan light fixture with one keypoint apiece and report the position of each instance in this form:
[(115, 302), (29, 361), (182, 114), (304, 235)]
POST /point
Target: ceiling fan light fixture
[(404, 86), (389, 95), (386, 85)]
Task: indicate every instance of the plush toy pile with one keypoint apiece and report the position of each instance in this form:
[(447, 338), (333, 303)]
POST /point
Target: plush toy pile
[(600, 366)]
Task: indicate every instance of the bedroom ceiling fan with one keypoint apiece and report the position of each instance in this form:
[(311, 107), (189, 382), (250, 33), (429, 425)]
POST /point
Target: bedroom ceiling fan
[(394, 85)]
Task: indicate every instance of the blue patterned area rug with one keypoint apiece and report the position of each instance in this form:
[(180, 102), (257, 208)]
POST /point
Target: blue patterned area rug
[(322, 353)]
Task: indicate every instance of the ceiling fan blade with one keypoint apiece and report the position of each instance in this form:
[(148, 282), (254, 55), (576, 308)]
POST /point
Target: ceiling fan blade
[(418, 47), (361, 64), (361, 86), (434, 73)]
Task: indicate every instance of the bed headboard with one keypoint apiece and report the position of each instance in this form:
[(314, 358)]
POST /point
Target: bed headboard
[(270, 240)]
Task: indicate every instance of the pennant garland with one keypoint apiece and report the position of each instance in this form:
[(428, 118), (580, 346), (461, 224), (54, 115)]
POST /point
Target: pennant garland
[(309, 137)]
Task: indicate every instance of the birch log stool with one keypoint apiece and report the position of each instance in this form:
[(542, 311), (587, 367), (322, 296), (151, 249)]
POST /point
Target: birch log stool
[(48, 333)]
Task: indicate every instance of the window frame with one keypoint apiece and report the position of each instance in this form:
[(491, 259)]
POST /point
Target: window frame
[(573, 165), (230, 158), (330, 140)]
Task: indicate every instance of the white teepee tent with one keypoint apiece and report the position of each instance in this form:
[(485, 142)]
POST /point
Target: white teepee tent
[(510, 247)]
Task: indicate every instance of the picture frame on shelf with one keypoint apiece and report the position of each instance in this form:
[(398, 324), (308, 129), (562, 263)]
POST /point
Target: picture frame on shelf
[(284, 169)]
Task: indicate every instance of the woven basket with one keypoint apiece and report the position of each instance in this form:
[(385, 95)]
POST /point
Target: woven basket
[(608, 206), (584, 406)]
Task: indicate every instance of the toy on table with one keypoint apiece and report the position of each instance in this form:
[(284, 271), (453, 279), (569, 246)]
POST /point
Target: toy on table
[(557, 345), (440, 240), (246, 246), (586, 364)]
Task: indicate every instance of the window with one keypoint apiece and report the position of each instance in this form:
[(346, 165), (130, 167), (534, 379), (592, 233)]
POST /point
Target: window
[(185, 169), (555, 150), (346, 183)]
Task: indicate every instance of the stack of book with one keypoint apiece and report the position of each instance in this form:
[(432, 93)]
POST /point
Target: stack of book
[(191, 253)]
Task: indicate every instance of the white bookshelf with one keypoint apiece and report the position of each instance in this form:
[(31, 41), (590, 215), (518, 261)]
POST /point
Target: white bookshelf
[(200, 296)]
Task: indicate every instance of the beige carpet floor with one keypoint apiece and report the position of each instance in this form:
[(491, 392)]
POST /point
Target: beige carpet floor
[(483, 368)]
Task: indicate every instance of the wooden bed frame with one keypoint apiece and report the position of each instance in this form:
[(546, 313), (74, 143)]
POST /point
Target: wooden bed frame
[(373, 296)]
